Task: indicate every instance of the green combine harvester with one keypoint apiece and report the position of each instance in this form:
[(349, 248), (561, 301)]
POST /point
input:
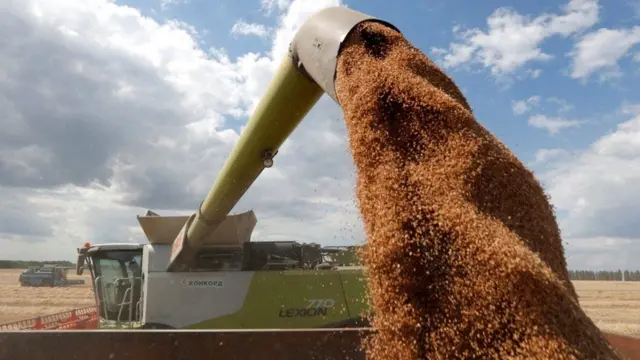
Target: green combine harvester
[(202, 271), (233, 284), (51, 275)]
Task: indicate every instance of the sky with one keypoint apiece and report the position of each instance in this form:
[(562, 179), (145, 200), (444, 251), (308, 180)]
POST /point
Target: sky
[(110, 108)]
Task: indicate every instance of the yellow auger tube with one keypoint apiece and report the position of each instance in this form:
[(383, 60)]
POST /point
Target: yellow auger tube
[(288, 99), (305, 73)]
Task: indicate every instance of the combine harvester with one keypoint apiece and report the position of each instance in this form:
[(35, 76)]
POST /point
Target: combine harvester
[(47, 275), (281, 284), (249, 300), (254, 285)]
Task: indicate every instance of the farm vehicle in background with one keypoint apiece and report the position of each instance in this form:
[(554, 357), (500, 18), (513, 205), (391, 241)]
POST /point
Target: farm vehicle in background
[(47, 275)]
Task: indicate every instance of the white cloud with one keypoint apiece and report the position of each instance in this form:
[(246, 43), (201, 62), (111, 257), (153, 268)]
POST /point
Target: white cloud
[(243, 28), (544, 156), (512, 40), (128, 114), (563, 105), (630, 109), (602, 253), (165, 4), (552, 125), (534, 74), (297, 13), (523, 106), (269, 5), (602, 50), (598, 191)]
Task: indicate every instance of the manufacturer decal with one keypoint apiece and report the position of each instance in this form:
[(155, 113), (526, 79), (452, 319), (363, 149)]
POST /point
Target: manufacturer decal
[(315, 307), (203, 283)]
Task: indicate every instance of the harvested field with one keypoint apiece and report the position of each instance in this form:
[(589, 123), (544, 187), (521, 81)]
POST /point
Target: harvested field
[(613, 306), (19, 303)]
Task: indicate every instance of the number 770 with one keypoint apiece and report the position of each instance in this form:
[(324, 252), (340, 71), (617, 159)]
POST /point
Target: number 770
[(320, 303)]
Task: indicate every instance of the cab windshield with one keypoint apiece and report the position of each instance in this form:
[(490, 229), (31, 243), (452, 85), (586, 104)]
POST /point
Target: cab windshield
[(118, 284)]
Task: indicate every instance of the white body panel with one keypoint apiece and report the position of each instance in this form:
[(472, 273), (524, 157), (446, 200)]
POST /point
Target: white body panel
[(182, 299)]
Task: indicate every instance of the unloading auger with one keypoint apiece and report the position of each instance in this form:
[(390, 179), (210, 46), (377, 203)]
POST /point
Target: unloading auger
[(306, 72)]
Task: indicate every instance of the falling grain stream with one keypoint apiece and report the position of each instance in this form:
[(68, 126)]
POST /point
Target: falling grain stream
[(464, 254)]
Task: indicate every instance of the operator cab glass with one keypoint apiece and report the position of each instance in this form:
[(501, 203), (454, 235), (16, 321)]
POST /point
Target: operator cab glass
[(117, 274)]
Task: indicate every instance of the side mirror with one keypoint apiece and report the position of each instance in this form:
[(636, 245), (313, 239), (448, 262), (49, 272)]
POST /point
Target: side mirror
[(80, 264)]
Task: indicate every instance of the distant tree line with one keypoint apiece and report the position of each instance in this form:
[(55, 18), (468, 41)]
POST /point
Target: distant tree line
[(23, 264), (605, 275)]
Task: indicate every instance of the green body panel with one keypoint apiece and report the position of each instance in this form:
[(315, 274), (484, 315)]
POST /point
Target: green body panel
[(355, 289), (296, 299)]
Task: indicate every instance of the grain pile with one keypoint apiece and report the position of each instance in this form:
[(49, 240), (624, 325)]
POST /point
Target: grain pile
[(463, 253)]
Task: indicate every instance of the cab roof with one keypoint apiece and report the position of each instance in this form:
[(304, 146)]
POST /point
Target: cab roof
[(115, 246)]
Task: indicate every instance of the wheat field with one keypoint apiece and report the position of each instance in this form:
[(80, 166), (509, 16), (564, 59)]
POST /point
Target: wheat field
[(19, 303), (613, 305)]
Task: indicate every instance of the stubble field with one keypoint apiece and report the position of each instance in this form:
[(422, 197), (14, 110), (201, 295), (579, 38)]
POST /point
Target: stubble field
[(19, 303), (614, 306)]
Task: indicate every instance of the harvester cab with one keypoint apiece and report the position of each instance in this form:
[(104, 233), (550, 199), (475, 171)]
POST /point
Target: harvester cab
[(233, 282), (116, 281)]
